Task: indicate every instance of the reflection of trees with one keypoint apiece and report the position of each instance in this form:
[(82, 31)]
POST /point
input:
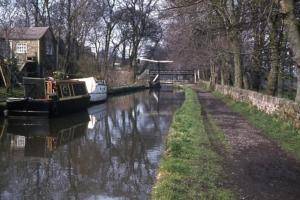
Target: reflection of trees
[(118, 157)]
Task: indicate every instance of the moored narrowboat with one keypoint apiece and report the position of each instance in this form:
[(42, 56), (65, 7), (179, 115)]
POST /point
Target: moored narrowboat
[(97, 89), (48, 97)]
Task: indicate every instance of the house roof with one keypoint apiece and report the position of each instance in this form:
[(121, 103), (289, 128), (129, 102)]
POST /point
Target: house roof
[(27, 33)]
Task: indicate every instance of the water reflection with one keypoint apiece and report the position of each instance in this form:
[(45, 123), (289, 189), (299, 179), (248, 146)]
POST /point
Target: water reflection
[(112, 153)]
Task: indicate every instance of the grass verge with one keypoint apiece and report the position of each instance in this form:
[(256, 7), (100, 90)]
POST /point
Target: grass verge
[(282, 132), (216, 136), (190, 168)]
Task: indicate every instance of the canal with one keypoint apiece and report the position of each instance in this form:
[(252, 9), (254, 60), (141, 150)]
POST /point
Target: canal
[(110, 152)]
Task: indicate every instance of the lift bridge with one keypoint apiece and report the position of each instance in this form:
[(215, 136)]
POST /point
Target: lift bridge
[(172, 76), (159, 76)]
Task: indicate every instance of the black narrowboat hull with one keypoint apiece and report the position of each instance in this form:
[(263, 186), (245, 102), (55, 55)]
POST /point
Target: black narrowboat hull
[(71, 105), (50, 108)]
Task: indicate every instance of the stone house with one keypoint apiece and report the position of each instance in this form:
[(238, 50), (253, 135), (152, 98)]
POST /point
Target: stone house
[(35, 50)]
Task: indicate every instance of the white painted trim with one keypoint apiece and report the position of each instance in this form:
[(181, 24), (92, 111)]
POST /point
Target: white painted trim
[(38, 53), (156, 77), (156, 61), (11, 51)]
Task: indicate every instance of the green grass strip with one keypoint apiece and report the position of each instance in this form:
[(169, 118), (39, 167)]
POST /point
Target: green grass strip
[(280, 131), (190, 169), (216, 135)]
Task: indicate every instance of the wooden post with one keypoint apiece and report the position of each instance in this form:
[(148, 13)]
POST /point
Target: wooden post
[(158, 71), (2, 75), (5, 75), (195, 76)]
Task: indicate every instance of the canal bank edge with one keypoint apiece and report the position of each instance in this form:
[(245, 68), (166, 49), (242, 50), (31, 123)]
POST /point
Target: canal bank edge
[(126, 88), (190, 168)]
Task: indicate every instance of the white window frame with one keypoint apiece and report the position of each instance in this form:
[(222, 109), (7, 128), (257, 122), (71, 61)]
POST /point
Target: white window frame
[(21, 141), (21, 47)]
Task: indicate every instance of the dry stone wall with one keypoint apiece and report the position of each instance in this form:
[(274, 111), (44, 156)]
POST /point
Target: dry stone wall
[(283, 108)]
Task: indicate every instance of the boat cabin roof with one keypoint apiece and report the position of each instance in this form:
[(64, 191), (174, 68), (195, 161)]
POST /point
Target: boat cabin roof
[(41, 88), (69, 81)]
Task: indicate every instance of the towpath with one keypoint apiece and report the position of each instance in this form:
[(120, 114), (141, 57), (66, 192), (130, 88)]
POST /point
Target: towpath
[(257, 168)]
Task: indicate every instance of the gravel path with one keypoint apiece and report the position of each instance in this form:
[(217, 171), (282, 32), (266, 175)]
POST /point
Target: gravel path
[(257, 168)]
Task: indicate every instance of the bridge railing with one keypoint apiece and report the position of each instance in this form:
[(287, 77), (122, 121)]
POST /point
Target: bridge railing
[(171, 72)]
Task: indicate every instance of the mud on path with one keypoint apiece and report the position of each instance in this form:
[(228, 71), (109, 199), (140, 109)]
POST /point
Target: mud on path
[(256, 167)]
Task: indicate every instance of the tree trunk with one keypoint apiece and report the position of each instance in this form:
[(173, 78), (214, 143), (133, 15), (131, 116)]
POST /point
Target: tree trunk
[(280, 90), (238, 76), (282, 63), (68, 39), (297, 99), (272, 84), (224, 73), (246, 81), (133, 57), (27, 17), (235, 38), (124, 53), (106, 48), (36, 13), (288, 7), (213, 77), (223, 76), (203, 76), (257, 59)]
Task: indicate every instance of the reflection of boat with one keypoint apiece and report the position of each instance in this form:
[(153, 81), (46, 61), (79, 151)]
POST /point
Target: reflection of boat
[(39, 136), (96, 113), (46, 97), (96, 89), (41, 126)]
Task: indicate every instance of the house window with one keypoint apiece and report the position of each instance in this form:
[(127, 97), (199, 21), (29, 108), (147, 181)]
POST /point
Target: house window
[(21, 140), (49, 48), (21, 48)]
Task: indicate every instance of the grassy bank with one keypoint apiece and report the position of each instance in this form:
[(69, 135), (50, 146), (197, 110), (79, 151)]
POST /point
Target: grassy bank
[(276, 129), (190, 168), (216, 135)]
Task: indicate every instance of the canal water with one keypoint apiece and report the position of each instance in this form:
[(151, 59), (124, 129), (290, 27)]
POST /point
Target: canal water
[(110, 152)]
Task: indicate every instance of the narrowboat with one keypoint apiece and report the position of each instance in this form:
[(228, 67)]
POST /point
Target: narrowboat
[(97, 89), (48, 97)]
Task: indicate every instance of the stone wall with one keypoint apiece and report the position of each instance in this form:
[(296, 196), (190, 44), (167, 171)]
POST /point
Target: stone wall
[(32, 50), (283, 108)]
